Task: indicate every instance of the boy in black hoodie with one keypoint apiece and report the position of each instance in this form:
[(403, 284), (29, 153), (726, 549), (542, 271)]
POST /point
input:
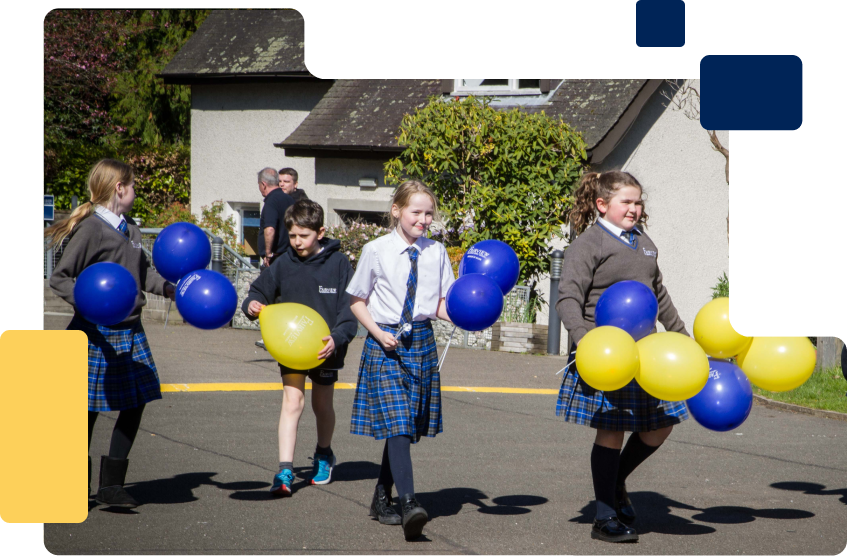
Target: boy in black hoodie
[(314, 273)]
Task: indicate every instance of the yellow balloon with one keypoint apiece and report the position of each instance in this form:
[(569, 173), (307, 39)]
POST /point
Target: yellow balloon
[(292, 334), (714, 333), (607, 358), (778, 364), (673, 366)]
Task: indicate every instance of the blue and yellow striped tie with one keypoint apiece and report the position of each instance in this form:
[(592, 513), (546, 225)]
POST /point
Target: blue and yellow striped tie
[(123, 228)]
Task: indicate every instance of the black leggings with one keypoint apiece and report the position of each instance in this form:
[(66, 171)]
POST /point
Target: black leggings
[(396, 466), (123, 435)]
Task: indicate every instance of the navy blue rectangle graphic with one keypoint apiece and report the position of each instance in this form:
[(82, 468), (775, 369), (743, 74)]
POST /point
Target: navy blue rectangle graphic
[(751, 92), (660, 23)]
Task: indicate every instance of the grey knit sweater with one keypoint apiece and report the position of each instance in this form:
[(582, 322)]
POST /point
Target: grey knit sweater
[(94, 240), (596, 260)]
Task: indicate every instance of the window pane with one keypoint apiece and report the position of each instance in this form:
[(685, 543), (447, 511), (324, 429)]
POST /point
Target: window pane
[(529, 83), (484, 83)]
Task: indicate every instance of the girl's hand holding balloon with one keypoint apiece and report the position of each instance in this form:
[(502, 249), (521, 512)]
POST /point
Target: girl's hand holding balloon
[(387, 340), (328, 348), (255, 308), (170, 292)]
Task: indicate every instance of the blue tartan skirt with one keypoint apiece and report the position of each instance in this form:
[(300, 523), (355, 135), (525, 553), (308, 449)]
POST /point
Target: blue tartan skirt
[(399, 392), (627, 409), (121, 371)]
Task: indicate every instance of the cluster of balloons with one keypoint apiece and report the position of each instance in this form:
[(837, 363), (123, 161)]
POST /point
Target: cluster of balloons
[(205, 298), (487, 273), (293, 334), (671, 366)]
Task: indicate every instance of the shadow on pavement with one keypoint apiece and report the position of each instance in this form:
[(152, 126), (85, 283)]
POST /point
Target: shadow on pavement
[(654, 515), (354, 471), (812, 488), (450, 501)]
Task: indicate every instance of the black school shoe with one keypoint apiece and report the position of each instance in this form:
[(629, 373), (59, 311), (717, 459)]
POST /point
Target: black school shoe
[(612, 530), (381, 508), (623, 506), (414, 517)]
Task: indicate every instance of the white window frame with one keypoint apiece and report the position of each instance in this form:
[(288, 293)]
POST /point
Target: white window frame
[(493, 90)]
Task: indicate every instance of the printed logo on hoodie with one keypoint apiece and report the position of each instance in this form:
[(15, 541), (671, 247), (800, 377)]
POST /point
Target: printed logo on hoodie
[(322, 289)]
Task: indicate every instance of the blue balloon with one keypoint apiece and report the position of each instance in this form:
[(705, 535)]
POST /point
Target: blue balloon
[(494, 259), (725, 402), (179, 249), (629, 305), (474, 302), (206, 299), (105, 293)]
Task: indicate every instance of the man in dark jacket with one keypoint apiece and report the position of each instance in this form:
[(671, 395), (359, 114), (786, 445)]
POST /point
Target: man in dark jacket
[(288, 182), (273, 237)]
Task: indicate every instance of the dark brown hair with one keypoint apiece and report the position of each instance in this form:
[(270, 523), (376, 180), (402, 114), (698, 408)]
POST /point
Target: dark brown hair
[(289, 172), (305, 214), (599, 185)]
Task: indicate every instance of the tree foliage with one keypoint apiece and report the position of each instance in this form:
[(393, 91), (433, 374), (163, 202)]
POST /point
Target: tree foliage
[(498, 174), (149, 112), (102, 99)]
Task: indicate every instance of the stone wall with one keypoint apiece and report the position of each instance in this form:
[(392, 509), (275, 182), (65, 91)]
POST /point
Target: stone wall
[(243, 280), (461, 338)]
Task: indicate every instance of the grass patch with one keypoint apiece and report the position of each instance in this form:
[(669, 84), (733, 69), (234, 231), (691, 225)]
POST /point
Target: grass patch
[(824, 390)]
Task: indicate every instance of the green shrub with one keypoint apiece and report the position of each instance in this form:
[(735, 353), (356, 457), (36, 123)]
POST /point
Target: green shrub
[(498, 174), (721, 289), (354, 237)]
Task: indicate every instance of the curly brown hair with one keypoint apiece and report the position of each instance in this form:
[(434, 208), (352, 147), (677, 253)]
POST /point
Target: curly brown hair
[(599, 185)]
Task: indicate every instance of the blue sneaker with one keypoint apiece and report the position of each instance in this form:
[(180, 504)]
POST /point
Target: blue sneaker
[(282, 483), (322, 470)]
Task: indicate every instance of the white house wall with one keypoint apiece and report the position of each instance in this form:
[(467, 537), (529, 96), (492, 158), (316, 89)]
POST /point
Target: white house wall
[(233, 131), (687, 199), (337, 186)]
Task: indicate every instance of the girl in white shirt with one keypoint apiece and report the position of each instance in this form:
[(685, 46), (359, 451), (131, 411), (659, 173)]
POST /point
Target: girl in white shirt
[(401, 278)]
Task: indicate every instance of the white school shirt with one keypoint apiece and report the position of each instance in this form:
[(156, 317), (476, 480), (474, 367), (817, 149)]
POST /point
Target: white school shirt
[(383, 270), (113, 219), (614, 229)]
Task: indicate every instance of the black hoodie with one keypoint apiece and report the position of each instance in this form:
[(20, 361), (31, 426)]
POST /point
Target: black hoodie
[(319, 282)]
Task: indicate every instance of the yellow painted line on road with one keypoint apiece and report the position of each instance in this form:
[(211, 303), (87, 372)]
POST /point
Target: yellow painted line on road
[(268, 386)]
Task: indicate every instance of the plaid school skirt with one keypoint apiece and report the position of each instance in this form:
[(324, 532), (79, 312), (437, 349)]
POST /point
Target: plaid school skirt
[(399, 391), (627, 409), (121, 371)]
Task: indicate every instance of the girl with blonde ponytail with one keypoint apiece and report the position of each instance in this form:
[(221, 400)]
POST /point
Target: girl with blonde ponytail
[(121, 373)]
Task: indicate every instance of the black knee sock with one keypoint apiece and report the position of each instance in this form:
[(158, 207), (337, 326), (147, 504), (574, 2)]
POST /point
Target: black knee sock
[(385, 478), (323, 451), (633, 454), (400, 457), (604, 469), (123, 435)]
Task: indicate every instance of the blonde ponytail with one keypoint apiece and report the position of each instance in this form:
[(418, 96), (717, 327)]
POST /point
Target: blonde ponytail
[(102, 178)]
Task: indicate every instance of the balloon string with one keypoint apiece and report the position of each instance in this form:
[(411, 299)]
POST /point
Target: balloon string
[(168, 314), (444, 355), (569, 364), (403, 329)]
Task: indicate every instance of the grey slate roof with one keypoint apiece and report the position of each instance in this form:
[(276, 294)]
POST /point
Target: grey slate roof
[(362, 114), (241, 43), (366, 114)]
